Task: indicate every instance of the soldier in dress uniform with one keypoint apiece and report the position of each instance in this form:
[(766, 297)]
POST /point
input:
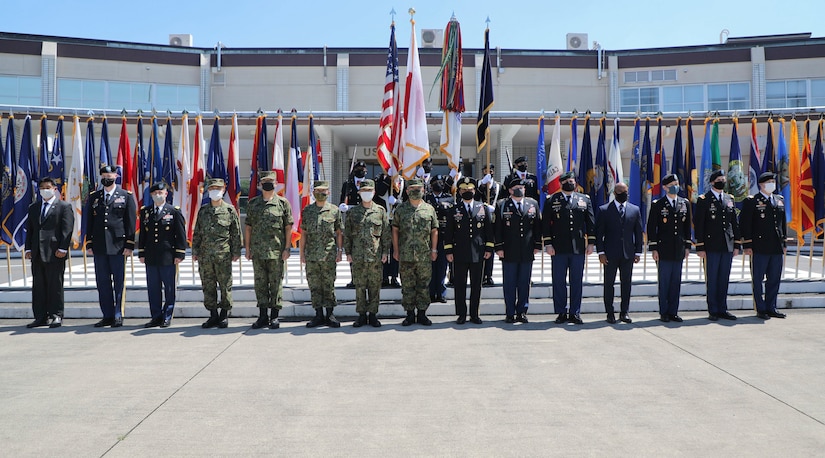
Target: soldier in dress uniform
[(668, 235), (267, 236), (469, 240), (497, 192), (321, 247), (161, 247), (764, 239), (717, 242), (530, 180), (440, 198), (517, 241), (111, 215), (569, 237), (216, 244), (367, 245), (414, 240)]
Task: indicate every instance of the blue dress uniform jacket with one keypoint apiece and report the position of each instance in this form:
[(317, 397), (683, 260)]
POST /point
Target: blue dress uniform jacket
[(110, 228), (468, 236), (569, 228), (763, 225), (162, 236), (668, 228), (518, 233), (715, 225)]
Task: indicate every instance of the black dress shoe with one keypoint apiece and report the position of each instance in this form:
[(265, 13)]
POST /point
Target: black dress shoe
[(476, 320), (350, 285), (394, 283), (37, 323), (261, 322), (449, 284), (562, 318), (385, 283), (664, 318), (488, 282), (509, 319), (676, 318), (166, 323), (763, 316), (727, 316), (776, 314), (117, 322), (625, 318), (575, 319), (57, 321), (713, 317), (155, 322), (275, 323), (611, 318), (461, 320), (105, 322), (522, 318)]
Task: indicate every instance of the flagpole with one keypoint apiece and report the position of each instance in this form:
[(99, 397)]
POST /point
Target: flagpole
[(811, 253), (85, 266), (8, 263)]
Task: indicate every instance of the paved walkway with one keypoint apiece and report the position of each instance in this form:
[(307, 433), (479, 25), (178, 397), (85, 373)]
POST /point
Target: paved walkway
[(743, 388)]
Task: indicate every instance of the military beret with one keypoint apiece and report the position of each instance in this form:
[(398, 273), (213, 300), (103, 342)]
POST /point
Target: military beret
[(516, 182), (429, 160), (716, 174), (767, 176), (491, 167), (320, 184), (467, 182), (415, 182), (215, 182), (520, 159), (267, 174), (367, 183), (108, 169), (567, 175), (669, 179), (360, 164), (159, 186), (440, 178)]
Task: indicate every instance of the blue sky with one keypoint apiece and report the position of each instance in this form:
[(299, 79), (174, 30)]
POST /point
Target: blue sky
[(522, 24)]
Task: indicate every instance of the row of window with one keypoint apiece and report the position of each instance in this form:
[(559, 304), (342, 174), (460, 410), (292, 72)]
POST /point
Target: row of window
[(645, 76)]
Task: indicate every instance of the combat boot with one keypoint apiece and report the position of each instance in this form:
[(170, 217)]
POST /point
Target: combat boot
[(360, 321), (373, 319), (263, 319), (422, 318), (273, 320), (318, 320), (331, 320), (212, 321), (410, 318), (224, 319)]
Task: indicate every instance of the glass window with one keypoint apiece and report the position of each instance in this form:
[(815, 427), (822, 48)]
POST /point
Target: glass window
[(670, 75), (657, 75), (20, 90), (629, 77), (817, 93), (683, 98), (644, 99), (732, 96), (787, 94), (630, 100), (642, 77)]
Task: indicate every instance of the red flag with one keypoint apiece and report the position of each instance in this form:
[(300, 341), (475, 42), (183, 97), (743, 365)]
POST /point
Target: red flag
[(195, 182), (233, 187), (390, 112), (806, 186), (124, 160)]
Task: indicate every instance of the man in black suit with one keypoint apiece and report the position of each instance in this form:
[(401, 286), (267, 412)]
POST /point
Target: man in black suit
[(161, 246), (717, 242), (619, 245), (110, 237), (569, 237), (668, 235), (763, 233), (530, 180), (48, 235), (468, 241)]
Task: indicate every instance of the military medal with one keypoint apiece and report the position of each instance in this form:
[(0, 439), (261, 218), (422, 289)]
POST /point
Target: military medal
[(478, 225)]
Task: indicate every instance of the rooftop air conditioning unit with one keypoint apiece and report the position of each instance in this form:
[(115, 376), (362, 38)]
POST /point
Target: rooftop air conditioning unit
[(576, 41), (180, 39), (432, 38)]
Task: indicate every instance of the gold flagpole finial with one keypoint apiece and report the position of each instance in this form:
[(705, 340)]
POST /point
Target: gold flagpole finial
[(412, 13)]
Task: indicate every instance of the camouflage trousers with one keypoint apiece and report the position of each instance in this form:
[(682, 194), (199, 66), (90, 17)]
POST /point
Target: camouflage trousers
[(269, 277), (216, 276), (321, 280), (367, 279), (415, 284)]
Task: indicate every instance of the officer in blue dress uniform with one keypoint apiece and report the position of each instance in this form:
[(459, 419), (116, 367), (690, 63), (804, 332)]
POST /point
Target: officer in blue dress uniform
[(717, 242), (161, 246), (442, 201), (764, 239), (518, 240), (569, 237), (110, 238)]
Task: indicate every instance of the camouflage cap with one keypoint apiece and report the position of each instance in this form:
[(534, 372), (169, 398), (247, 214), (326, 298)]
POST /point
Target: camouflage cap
[(319, 184), (415, 182), (367, 184), (215, 182), (267, 174)]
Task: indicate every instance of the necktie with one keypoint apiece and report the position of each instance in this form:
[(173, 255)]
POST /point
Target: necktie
[(519, 207), (43, 213), (108, 198), (467, 206), (568, 200), (621, 210)]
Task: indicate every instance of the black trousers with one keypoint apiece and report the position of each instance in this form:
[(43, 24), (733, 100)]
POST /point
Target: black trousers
[(460, 271), (47, 287), (625, 268)]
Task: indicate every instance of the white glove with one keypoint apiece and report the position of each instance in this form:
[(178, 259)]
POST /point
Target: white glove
[(491, 209), (487, 178), (343, 208), (420, 172), (391, 200), (453, 173)]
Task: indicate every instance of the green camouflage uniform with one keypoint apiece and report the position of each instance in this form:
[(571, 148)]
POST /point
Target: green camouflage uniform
[(215, 241), (414, 249), (367, 237), (319, 229), (267, 220)]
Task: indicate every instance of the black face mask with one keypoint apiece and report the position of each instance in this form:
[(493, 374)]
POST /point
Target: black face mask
[(427, 168), (468, 195), (106, 182), (621, 197), (437, 187), (568, 186), (268, 186), (719, 185), (522, 167), (518, 192), (360, 173)]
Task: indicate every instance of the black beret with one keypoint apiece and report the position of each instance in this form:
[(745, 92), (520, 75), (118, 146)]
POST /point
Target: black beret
[(360, 164), (567, 175), (767, 176), (520, 159), (440, 178), (108, 169), (491, 166), (159, 186), (669, 179), (716, 174), (516, 182), (429, 160)]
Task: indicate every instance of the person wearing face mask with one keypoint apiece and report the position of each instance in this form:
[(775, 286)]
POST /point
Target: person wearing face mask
[(717, 242), (216, 244), (619, 245), (530, 180), (161, 247), (111, 214), (517, 230), (367, 245), (764, 240), (386, 195), (468, 241), (425, 173), (349, 193), (321, 249), (48, 235), (267, 236), (440, 198), (668, 237), (569, 237), (414, 241), (496, 193)]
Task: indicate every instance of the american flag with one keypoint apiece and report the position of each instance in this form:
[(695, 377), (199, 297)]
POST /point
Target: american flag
[(390, 122)]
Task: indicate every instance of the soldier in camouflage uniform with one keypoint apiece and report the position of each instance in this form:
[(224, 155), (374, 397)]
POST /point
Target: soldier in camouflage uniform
[(321, 240), (414, 240), (267, 236), (367, 244), (216, 244)]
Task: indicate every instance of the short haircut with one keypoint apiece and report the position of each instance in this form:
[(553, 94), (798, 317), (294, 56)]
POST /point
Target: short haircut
[(46, 180)]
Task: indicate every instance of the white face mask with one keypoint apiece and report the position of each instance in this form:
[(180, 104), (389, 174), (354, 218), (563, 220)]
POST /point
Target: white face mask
[(367, 196), (770, 187), (47, 194), (215, 194), (158, 198)]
